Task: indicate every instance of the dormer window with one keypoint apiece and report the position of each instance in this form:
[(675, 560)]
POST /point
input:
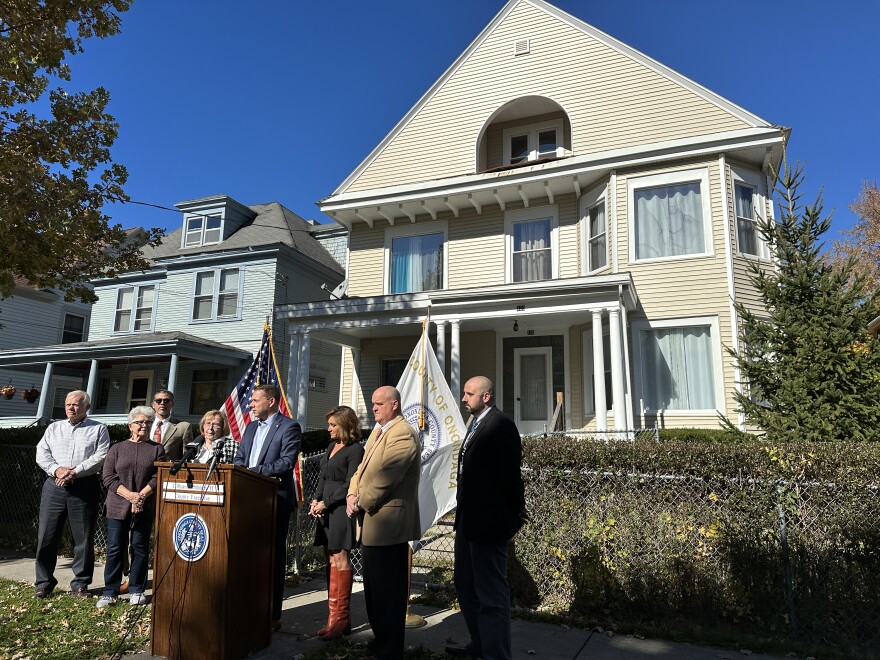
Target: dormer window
[(202, 230), (533, 142)]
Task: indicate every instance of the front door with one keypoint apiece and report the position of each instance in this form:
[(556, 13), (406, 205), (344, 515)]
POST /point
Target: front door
[(533, 388)]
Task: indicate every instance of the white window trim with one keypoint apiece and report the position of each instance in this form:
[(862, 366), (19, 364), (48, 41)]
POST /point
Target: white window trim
[(204, 216), (717, 364), (419, 229), (215, 296), (526, 215), (759, 201), (700, 175), (532, 131), (588, 201), (136, 288)]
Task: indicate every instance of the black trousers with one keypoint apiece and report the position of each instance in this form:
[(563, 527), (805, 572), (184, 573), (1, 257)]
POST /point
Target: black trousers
[(77, 503), (484, 595), (282, 525), (386, 592)]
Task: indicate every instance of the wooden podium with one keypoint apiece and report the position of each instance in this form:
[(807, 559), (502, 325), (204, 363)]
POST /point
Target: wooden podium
[(212, 564)]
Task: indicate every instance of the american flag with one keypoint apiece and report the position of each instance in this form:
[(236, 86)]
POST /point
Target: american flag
[(263, 371)]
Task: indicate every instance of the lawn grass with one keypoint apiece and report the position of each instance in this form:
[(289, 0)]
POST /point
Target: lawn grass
[(63, 627)]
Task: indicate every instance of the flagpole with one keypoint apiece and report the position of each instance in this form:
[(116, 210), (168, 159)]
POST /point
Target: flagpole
[(415, 620)]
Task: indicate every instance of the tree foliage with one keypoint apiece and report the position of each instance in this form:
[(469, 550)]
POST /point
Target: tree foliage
[(56, 171), (809, 367), (862, 242)]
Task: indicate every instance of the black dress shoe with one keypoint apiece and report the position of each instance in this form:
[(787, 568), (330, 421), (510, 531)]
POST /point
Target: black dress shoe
[(469, 651), (42, 592), (81, 592)]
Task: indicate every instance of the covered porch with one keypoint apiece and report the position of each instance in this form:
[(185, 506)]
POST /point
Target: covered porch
[(123, 372), (534, 340)]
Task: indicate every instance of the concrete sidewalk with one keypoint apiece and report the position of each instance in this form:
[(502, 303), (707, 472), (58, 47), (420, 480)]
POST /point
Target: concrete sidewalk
[(305, 610)]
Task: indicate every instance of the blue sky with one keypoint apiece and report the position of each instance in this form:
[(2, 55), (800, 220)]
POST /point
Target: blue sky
[(279, 100)]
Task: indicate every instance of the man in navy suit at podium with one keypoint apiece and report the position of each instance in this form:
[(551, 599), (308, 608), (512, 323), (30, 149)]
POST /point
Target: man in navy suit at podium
[(270, 446)]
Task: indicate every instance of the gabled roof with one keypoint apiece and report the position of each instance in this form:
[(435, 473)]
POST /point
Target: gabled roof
[(745, 116), (273, 224)]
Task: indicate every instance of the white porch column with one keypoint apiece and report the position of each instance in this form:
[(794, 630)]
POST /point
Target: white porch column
[(45, 394), (172, 372), (599, 400), (617, 369), (441, 345), (355, 379), (455, 361), (302, 396), (293, 371), (93, 378)]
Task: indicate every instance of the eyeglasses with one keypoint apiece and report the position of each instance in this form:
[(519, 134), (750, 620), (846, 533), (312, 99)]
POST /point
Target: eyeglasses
[(163, 401), (141, 422)]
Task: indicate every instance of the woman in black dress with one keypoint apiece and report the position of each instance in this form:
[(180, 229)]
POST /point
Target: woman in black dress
[(335, 530)]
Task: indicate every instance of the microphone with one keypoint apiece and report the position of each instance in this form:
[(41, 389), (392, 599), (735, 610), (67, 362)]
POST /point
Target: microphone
[(192, 448), (218, 445)]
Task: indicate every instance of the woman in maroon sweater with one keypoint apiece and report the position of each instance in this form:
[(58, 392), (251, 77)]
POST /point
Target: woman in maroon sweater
[(130, 477)]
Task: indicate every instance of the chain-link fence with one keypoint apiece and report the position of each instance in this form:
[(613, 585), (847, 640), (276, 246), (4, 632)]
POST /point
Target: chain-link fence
[(781, 559)]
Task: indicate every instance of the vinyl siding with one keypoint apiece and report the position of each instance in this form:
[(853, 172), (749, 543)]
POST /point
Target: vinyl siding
[(612, 101)]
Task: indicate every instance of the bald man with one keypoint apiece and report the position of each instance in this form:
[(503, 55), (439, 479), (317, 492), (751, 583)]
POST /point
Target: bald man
[(490, 509), (384, 495)]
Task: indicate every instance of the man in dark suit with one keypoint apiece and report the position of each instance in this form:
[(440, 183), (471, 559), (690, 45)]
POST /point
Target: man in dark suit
[(169, 431), (490, 510), (270, 446), (384, 494)]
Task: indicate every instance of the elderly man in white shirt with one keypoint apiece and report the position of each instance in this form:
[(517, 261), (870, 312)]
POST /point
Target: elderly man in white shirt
[(71, 453)]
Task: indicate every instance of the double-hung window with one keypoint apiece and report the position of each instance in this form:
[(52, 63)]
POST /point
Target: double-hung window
[(594, 230), (533, 142), (416, 258), (531, 244), (202, 230), (669, 215), (678, 364), (216, 294), (134, 308), (749, 208), (74, 329)]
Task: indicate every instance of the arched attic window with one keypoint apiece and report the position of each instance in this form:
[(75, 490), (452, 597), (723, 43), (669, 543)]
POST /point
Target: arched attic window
[(524, 131)]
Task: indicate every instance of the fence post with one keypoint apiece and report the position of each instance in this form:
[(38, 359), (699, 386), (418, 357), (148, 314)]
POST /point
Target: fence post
[(786, 561)]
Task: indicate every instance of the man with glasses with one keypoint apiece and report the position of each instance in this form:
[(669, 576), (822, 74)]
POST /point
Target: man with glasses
[(71, 453), (270, 446), (167, 430)]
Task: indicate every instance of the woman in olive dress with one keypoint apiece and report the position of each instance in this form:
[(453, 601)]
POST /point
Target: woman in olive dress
[(335, 531)]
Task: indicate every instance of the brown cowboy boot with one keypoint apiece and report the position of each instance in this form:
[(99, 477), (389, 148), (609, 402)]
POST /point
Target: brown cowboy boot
[(342, 621), (332, 579)]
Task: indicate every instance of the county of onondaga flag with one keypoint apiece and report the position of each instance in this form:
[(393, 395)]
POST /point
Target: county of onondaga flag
[(263, 371), (425, 396)]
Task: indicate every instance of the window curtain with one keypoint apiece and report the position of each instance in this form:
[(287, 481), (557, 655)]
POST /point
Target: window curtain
[(531, 251), (677, 370), (750, 240), (598, 249), (417, 263), (669, 221)]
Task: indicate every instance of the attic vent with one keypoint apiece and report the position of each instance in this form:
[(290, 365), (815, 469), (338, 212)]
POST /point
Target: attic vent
[(521, 47)]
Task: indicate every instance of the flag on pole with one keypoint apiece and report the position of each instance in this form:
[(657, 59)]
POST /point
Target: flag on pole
[(430, 407), (263, 371)]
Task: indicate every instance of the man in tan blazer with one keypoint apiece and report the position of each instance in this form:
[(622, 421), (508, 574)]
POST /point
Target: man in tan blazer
[(169, 431), (384, 494)]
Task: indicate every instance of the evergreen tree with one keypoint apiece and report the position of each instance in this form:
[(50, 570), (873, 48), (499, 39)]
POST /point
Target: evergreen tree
[(810, 370)]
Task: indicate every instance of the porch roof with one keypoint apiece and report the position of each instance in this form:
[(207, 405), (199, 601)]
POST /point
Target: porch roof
[(556, 303), (131, 348)]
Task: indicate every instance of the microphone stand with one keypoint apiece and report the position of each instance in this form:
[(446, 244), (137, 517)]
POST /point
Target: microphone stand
[(192, 448)]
